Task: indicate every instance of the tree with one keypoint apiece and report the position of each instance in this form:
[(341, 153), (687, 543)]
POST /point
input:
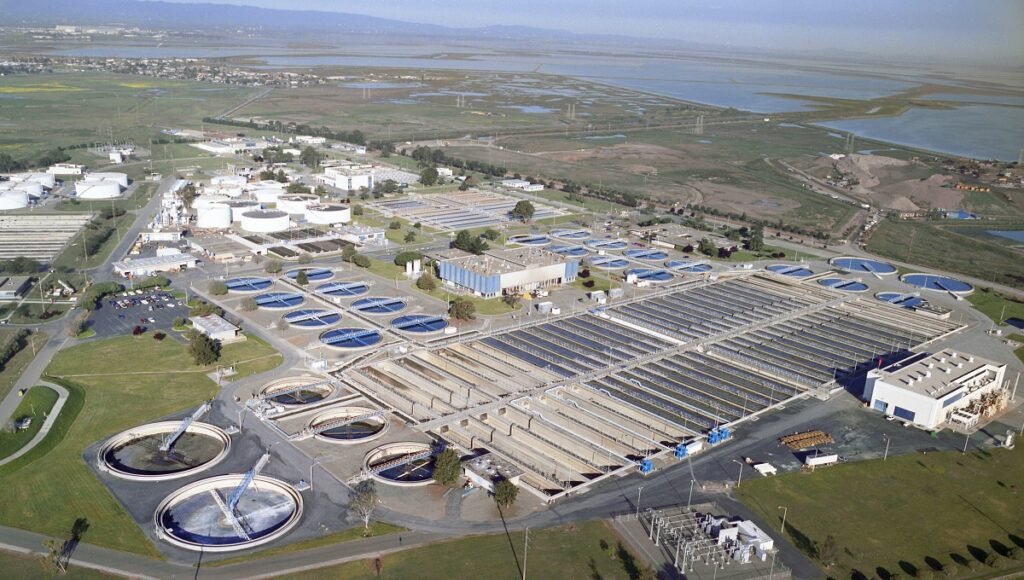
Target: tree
[(462, 309), (756, 242), (491, 234), (469, 243), (407, 256), (428, 176), (447, 467), (272, 267), (348, 253), (395, 225), (301, 278), (361, 261), (305, 258), (417, 225), (512, 300), (203, 349), (357, 209), (426, 282), (249, 304), (996, 561), (410, 237), (364, 501), (827, 551), (505, 493), (217, 288), (310, 157), (707, 247), (523, 210)]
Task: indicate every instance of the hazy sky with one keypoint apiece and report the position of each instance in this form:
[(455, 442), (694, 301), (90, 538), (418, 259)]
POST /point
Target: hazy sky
[(957, 28)]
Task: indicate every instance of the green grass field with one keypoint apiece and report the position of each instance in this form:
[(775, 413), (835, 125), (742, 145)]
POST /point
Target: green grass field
[(353, 533), (995, 305), (590, 550), (125, 381), (36, 568), (934, 246), (12, 370), (907, 513), (36, 403)]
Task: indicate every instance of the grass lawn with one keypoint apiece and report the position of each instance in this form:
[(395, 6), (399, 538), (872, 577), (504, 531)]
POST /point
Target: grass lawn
[(1019, 338), (901, 515), (36, 403), (36, 568), (387, 270), (992, 304), (34, 312), (601, 282), (252, 357), (12, 370), (590, 550), (126, 382), (72, 256), (354, 533), (484, 306)]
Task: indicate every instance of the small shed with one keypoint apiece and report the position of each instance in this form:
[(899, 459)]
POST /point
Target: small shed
[(216, 328)]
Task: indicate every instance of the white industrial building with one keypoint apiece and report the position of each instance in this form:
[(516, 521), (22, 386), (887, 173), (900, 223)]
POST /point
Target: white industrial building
[(215, 327), (348, 177), (485, 470), (522, 184), (930, 390), (363, 235), (14, 287), (503, 272), (65, 169), (154, 265)]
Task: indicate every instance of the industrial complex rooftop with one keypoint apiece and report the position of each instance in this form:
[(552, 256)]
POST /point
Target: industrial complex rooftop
[(941, 373), (510, 260)]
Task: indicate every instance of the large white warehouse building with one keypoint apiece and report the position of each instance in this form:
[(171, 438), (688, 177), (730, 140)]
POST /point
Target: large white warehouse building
[(503, 272), (930, 390)]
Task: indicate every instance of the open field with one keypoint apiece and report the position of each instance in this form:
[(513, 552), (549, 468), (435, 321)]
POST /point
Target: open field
[(35, 568), (996, 306), (63, 109), (48, 493), (911, 513), (12, 370), (72, 256), (36, 404), (943, 247), (590, 550), (353, 533)]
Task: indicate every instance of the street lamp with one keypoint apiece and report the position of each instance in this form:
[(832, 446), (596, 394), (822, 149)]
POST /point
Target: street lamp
[(739, 478), (316, 461), (690, 497), (638, 491), (886, 454), (785, 510)]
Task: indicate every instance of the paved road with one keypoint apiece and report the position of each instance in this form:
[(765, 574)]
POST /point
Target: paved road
[(62, 397)]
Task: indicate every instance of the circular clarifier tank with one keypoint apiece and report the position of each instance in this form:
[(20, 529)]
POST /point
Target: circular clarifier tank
[(405, 464), (349, 425), (297, 391), (379, 305), (248, 284), (843, 284), (688, 266), (645, 254), (135, 454), (279, 300), (312, 318), (312, 274), (343, 289), (607, 244), (351, 338), (608, 263), (194, 517), (900, 299), (530, 240), (790, 270), (649, 275), (570, 234), (419, 323), (569, 251), (856, 265), (938, 283)]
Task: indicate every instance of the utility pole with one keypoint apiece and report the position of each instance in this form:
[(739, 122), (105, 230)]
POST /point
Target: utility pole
[(785, 510), (526, 550), (967, 439), (690, 497), (739, 478), (886, 453), (638, 491)]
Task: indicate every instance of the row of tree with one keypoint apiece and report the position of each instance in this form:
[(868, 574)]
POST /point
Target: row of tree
[(355, 136)]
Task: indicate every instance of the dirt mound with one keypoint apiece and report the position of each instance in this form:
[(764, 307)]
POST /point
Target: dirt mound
[(868, 168), (928, 193), (740, 200)]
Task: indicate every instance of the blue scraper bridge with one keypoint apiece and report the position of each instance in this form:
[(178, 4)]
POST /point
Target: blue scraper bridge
[(419, 323), (343, 289), (248, 284), (312, 318), (379, 305), (350, 337), (312, 274), (279, 300)]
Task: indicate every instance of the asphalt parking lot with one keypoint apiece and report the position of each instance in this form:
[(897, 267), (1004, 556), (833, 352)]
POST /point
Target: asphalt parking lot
[(119, 315)]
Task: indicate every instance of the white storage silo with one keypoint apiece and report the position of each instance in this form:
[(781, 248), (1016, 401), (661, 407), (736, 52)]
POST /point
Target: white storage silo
[(208, 200), (297, 203), (213, 217), (265, 221), (13, 199), (118, 178), (328, 214), (31, 188), (97, 189), (230, 181), (240, 206)]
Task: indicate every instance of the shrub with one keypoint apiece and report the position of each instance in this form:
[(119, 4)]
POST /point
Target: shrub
[(306, 258), (159, 336), (361, 261), (426, 282), (404, 258), (462, 309), (217, 288), (249, 304), (395, 225), (996, 561), (272, 267)]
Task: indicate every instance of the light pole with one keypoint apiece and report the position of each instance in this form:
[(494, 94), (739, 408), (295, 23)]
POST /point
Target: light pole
[(886, 453), (638, 491), (785, 510), (967, 439), (316, 461), (690, 497), (739, 478)]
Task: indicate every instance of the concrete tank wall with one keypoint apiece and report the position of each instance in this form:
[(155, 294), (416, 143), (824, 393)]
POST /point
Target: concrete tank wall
[(212, 217), (296, 204), (328, 214), (264, 222), (97, 189), (13, 199)]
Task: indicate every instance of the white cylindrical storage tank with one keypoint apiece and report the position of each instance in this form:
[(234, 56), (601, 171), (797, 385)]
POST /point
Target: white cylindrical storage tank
[(44, 179), (13, 199), (264, 221), (227, 190), (228, 181), (266, 194), (97, 189), (328, 214), (213, 217), (118, 178), (209, 200), (240, 206), (296, 204), (30, 188)]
